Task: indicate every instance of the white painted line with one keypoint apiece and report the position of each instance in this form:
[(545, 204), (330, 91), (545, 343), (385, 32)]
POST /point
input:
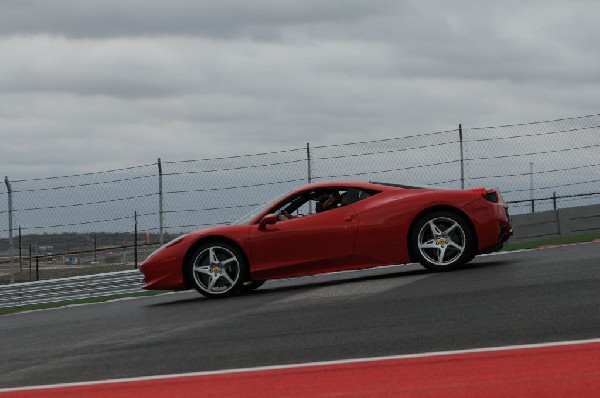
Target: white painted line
[(311, 364)]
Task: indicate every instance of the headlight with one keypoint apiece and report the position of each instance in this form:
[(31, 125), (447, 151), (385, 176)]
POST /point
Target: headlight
[(170, 243)]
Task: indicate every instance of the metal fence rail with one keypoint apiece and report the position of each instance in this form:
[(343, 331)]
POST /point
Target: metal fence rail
[(67, 289), (537, 166)]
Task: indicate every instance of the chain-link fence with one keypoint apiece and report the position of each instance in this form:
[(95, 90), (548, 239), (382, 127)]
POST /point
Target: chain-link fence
[(199, 193), (78, 224), (426, 159), (111, 220), (537, 166)]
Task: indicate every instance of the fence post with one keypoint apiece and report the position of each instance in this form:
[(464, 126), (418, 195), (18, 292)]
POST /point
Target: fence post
[(554, 200), (160, 201), (462, 157), (308, 163), (30, 250), (95, 248), (309, 175), (20, 251), (531, 187), (135, 240), (10, 232)]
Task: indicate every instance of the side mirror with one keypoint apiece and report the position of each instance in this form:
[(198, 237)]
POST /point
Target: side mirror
[(267, 220)]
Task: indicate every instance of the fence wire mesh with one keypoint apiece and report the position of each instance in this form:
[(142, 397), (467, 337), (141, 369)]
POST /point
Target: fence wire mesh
[(86, 223), (66, 203), (78, 224), (536, 162), (199, 193), (427, 159)]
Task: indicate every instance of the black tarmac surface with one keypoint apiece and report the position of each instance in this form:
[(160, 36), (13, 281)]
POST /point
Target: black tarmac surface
[(510, 299)]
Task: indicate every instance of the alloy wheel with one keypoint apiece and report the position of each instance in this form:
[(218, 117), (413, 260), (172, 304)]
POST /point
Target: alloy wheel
[(441, 241), (216, 270)]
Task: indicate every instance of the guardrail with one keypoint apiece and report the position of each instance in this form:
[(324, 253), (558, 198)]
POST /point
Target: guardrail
[(67, 289)]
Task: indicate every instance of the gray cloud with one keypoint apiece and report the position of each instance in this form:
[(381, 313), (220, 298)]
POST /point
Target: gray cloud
[(88, 85), (221, 19)]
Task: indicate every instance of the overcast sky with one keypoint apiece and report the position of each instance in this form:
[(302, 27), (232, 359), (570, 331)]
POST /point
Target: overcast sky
[(98, 85)]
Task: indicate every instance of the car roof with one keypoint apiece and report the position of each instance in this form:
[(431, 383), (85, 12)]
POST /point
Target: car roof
[(380, 186)]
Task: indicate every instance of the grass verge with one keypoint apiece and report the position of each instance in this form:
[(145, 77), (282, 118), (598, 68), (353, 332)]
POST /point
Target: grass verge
[(4, 311), (552, 241)]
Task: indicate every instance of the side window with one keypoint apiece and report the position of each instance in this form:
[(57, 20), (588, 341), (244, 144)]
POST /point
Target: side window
[(306, 208), (311, 202), (293, 205), (354, 195), (320, 200)]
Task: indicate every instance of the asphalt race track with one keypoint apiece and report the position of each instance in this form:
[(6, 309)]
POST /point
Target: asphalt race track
[(511, 299)]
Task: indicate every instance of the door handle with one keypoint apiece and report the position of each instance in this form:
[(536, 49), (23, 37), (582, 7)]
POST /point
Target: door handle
[(349, 218)]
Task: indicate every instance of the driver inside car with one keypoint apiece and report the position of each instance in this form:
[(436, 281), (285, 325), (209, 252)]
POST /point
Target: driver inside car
[(325, 201), (329, 201)]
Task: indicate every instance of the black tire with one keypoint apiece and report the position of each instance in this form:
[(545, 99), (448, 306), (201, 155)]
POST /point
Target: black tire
[(250, 286), (217, 269), (442, 241)]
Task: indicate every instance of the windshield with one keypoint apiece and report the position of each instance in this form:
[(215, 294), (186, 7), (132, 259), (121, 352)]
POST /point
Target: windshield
[(248, 217)]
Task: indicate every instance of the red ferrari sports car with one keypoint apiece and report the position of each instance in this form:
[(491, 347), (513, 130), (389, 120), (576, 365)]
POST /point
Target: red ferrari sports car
[(333, 226)]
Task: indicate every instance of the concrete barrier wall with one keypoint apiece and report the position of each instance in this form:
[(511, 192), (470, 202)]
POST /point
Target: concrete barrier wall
[(556, 223)]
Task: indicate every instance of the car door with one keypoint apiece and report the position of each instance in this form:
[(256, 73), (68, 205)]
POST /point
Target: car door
[(314, 243)]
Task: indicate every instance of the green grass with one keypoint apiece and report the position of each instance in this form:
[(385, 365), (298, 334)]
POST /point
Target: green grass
[(4, 311), (552, 241)]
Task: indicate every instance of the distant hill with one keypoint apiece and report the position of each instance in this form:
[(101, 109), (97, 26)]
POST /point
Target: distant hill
[(69, 242)]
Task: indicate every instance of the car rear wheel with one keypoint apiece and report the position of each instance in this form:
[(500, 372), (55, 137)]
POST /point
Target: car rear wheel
[(217, 269), (442, 241)]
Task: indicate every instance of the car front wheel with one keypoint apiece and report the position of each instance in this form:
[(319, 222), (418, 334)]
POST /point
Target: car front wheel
[(217, 269), (442, 241)]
